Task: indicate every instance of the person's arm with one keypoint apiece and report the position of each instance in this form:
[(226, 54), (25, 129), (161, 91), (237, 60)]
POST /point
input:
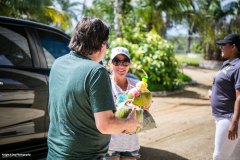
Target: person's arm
[(209, 94), (108, 123), (233, 130)]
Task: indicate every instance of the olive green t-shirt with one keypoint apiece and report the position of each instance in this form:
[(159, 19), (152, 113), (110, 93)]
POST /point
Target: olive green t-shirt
[(78, 88)]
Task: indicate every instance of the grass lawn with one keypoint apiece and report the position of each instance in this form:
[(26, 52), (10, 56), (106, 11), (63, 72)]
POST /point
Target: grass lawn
[(189, 59)]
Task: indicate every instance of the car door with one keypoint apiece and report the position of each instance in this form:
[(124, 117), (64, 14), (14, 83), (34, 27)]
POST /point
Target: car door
[(52, 45), (23, 92)]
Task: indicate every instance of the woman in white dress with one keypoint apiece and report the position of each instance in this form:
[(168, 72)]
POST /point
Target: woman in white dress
[(122, 146)]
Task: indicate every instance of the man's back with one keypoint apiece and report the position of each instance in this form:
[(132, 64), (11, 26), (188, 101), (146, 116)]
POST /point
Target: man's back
[(74, 95)]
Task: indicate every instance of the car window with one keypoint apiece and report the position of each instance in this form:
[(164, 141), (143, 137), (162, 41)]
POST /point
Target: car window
[(14, 48), (54, 46)]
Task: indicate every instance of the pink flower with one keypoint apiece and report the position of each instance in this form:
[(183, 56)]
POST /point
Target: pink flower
[(135, 92)]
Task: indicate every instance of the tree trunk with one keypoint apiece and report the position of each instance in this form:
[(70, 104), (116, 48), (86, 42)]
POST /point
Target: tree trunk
[(117, 13), (165, 26), (83, 6), (190, 32)]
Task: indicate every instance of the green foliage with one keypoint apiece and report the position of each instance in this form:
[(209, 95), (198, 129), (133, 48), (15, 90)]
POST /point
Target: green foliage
[(22, 8), (185, 78), (197, 48), (153, 54), (102, 9), (179, 43), (42, 11)]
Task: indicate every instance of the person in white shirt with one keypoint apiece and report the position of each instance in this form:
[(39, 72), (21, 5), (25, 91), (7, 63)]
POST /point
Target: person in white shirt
[(122, 146)]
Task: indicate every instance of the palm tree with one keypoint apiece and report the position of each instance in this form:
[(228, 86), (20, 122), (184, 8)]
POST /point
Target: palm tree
[(117, 14), (72, 8), (209, 20), (160, 14), (35, 10), (21, 8)]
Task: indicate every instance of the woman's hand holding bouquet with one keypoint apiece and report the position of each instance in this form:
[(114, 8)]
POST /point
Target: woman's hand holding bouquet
[(138, 97)]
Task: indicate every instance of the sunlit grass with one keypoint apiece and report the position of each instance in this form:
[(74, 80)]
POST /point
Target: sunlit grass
[(190, 60)]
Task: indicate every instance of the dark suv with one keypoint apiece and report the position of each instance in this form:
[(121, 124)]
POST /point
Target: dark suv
[(27, 52)]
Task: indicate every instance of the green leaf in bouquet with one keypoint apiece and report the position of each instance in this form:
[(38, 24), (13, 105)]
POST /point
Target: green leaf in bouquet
[(123, 111), (139, 115), (148, 122), (130, 96), (145, 99)]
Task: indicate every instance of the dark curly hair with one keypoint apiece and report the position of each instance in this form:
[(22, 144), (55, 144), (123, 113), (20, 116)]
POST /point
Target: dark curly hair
[(88, 36)]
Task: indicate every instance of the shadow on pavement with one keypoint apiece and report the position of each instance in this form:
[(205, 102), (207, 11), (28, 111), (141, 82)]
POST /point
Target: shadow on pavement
[(189, 94), (157, 154), (193, 94)]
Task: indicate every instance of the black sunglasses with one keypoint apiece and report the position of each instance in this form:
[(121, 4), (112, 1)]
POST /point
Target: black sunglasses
[(118, 62)]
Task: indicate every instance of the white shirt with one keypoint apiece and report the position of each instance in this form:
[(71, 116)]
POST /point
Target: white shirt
[(123, 142)]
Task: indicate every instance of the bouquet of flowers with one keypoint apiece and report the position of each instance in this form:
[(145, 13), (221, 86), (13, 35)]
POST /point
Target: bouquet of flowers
[(139, 97)]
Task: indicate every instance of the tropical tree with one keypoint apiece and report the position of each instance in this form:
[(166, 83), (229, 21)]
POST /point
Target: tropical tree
[(160, 14), (21, 8), (102, 9), (35, 10), (230, 19), (117, 14), (208, 17), (72, 8), (210, 21)]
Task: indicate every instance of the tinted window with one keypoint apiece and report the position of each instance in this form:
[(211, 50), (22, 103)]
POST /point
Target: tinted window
[(54, 46), (14, 48)]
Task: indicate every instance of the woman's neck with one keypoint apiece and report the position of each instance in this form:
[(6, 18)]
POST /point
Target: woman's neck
[(234, 55), (121, 82)]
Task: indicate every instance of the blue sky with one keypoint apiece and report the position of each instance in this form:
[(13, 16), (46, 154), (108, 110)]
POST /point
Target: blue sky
[(88, 2), (178, 30)]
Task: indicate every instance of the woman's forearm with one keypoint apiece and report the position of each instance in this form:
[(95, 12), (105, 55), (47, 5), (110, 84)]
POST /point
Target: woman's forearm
[(236, 114)]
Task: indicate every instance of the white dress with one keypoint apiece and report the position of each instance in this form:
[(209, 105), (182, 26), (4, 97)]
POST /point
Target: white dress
[(123, 142)]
